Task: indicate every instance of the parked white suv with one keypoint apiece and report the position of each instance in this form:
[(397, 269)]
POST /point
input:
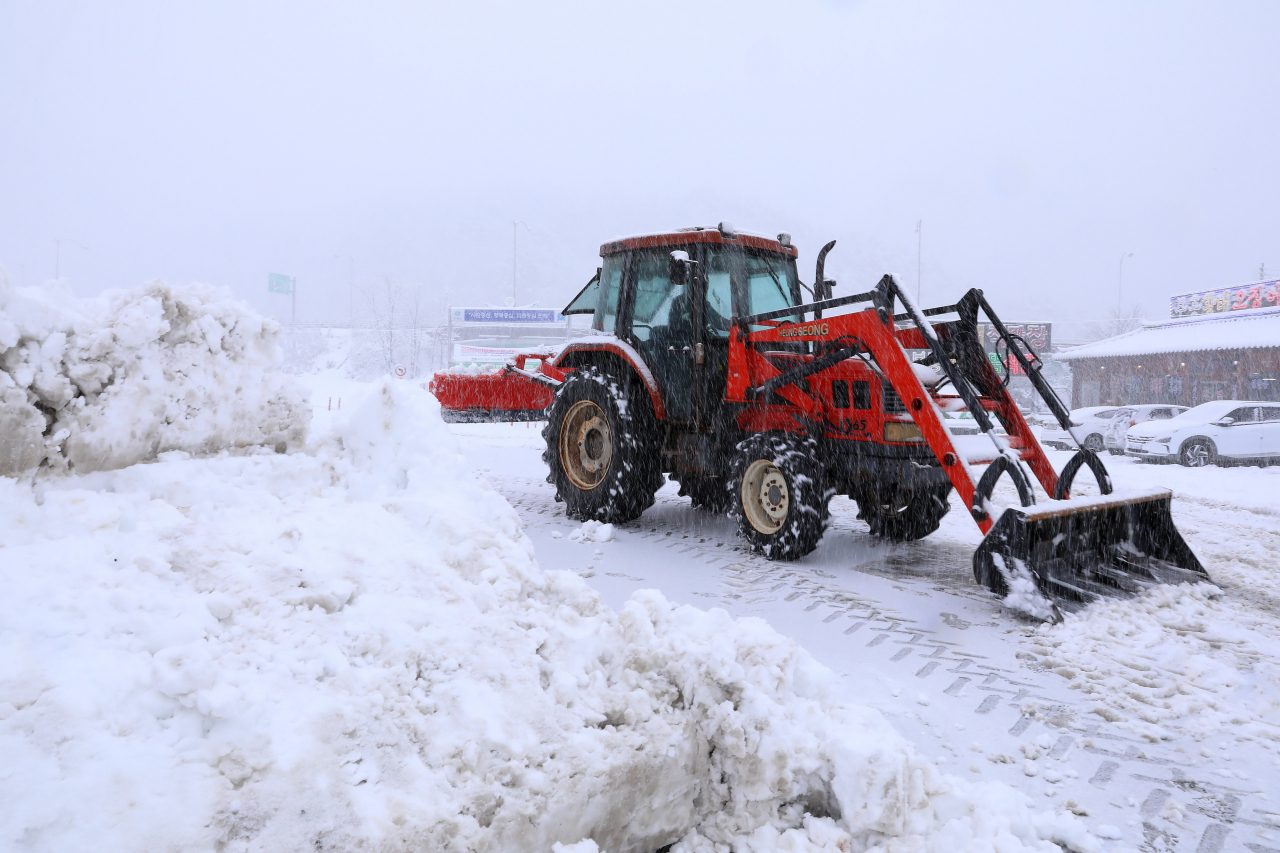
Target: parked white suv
[(1130, 416), (1220, 432), (1090, 425)]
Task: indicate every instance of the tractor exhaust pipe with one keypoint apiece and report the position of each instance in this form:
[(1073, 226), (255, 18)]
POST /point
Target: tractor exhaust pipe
[(821, 287)]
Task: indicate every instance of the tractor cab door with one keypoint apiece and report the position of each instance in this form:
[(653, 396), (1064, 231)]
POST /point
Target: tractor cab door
[(663, 328)]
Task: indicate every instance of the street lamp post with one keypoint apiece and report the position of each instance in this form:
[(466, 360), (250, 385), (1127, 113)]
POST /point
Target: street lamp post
[(1120, 287), (515, 231), (57, 254)]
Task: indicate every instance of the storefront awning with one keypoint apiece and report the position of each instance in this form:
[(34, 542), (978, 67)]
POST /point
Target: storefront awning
[(1257, 330)]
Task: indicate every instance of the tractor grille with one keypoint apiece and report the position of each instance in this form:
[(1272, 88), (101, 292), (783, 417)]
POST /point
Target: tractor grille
[(893, 404)]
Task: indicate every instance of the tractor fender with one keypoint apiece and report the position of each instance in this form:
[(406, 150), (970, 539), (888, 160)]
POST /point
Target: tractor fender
[(612, 349)]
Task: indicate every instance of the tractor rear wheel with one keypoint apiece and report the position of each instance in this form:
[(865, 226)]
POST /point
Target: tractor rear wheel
[(601, 452), (704, 492), (779, 495), (905, 516)]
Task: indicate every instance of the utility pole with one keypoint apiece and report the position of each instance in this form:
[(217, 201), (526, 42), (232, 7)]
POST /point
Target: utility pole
[(1262, 272), (1120, 287), (515, 230), (919, 245), (57, 254)]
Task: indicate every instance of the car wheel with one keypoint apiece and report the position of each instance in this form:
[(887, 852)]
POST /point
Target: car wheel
[(1094, 442), (1198, 453)]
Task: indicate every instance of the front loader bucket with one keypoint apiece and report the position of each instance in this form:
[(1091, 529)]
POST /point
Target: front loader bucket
[(1077, 551)]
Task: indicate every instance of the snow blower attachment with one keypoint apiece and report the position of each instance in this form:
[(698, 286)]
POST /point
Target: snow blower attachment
[(704, 364)]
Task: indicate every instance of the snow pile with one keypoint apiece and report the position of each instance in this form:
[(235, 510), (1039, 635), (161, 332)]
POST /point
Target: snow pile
[(593, 531), (1023, 595), (99, 384), (354, 648), (1178, 660)]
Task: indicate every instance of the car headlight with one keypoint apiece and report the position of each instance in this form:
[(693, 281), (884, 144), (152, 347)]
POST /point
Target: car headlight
[(1165, 440)]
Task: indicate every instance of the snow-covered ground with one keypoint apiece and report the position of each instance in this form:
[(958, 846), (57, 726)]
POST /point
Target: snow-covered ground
[(393, 639), (1158, 719), (357, 646)]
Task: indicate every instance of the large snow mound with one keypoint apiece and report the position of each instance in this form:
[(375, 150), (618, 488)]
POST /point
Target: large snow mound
[(98, 384), (354, 648)]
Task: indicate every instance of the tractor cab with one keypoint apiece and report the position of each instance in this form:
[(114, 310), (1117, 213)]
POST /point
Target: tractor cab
[(671, 297)]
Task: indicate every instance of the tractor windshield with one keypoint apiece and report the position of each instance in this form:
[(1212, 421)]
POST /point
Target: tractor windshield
[(751, 282), (770, 284)]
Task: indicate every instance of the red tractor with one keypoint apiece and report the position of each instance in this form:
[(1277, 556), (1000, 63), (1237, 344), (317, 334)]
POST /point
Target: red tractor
[(704, 362)]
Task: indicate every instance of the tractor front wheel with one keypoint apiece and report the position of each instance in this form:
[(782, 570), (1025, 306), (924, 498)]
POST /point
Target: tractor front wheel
[(779, 495), (601, 453)]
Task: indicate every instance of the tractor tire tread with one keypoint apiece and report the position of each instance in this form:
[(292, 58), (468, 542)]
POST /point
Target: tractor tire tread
[(634, 475), (809, 513)]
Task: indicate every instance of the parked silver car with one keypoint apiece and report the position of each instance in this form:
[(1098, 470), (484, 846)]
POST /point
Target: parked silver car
[(1131, 416), (1221, 432)]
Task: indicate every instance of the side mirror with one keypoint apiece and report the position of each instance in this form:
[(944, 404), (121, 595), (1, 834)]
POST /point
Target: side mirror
[(680, 268), (1226, 422)]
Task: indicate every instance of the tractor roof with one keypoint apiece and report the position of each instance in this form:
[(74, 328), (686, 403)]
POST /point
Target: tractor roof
[(687, 236)]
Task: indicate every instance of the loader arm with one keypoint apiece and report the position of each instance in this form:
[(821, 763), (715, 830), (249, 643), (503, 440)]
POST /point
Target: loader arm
[(751, 376)]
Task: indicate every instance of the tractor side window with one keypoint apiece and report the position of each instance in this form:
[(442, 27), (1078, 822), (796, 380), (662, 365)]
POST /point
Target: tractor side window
[(861, 395), (586, 300), (662, 310), (610, 284)]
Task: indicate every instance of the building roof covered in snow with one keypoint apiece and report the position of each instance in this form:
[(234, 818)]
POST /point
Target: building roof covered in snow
[(1256, 330)]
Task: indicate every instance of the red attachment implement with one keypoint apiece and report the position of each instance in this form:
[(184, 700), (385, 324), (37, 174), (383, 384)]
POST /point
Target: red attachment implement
[(512, 393)]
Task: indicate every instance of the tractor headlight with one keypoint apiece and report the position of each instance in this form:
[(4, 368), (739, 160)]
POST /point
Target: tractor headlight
[(894, 431)]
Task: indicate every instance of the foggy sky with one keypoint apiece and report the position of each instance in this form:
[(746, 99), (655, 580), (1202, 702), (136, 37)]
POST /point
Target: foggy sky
[(1037, 142)]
